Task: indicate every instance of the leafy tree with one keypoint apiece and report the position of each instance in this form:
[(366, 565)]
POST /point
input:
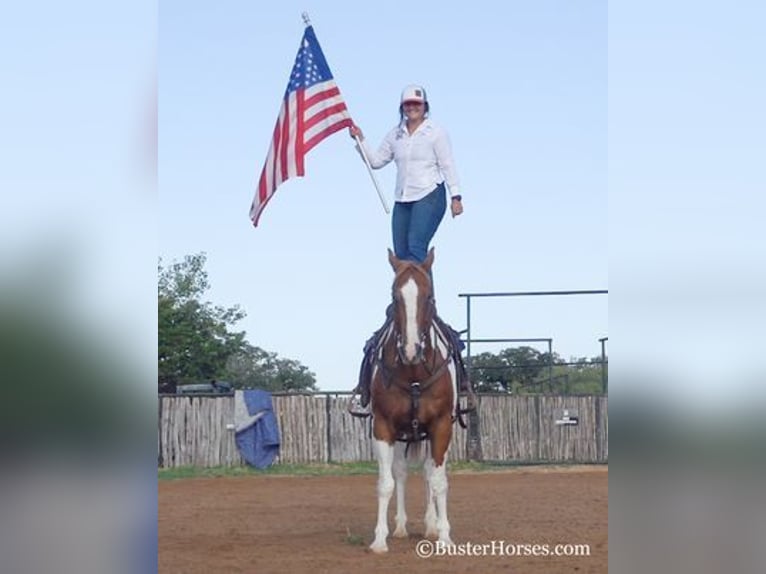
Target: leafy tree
[(525, 370), (529, 366), (252, 367), (511, 370), (585, 375), (195, 340), (490, 373)]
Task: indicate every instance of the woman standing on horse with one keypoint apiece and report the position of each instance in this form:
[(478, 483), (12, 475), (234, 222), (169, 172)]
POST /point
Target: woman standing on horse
[(423, 156), (422, 152)]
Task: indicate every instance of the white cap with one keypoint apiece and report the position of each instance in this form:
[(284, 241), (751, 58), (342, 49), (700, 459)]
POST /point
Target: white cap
[(414, 93)]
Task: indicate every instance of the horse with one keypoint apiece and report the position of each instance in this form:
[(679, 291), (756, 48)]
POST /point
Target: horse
[(413, 399)]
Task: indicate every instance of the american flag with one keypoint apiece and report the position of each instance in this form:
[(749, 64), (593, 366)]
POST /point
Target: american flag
[(312, 109)]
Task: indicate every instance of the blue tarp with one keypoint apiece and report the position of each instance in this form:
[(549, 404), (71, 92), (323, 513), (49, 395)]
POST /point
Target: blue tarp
[(259, 443)]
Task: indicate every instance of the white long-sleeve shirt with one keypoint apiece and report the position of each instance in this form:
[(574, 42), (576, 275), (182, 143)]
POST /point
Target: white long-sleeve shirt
[(423, 160)]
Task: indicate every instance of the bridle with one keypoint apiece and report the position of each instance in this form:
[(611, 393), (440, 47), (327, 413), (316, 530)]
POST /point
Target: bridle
[(430, 311), (433, 369)]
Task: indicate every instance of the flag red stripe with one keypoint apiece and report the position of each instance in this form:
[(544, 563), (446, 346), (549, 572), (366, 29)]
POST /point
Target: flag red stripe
[(300, 148), (323, 95), (274, 163), (283, 149), (261, 207), (326, 132), (262, 186), (263, 191), (324, 114)]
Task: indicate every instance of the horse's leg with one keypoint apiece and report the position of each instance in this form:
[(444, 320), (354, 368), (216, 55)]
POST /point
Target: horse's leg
[(400, 475), (385, 454), (439, 443), (430, 518)]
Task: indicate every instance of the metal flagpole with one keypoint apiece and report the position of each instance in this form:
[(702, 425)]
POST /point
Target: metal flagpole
[(372, 175), (307, 22)]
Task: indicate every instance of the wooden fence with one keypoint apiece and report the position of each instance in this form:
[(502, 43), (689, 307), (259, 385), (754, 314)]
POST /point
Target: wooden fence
[(316, 428)]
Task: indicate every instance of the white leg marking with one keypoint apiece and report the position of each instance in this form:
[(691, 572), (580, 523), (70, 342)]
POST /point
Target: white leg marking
[(385, 453), (400, 476), (430, 518), (440, 487), (410, 296)]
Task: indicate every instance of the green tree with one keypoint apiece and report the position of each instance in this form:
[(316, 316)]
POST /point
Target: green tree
[(252, 367), (525, 370), (490, 373), (529, 366), (511, 370), (585, 375), (195, 340)]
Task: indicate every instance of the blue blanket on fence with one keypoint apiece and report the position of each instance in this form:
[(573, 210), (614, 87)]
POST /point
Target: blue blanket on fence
[(258, 442)]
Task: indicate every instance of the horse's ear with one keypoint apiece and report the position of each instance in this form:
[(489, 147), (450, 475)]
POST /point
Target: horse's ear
[(429, 260), (393, 259)]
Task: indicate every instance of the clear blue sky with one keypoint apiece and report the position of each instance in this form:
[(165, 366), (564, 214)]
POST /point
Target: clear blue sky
[(522, 90)]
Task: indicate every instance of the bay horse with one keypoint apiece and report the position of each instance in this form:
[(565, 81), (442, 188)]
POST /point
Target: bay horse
[(413, 399)]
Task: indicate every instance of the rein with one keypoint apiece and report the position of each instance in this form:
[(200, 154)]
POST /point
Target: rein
[(434, 372)]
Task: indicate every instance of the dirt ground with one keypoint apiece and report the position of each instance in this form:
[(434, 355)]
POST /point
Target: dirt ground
[(323, 524)]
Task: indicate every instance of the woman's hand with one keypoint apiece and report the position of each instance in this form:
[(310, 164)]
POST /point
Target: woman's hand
[(456, 206), (355, 131)]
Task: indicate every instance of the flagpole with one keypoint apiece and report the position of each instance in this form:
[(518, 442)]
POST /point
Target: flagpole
[(372, 175), (307, 22)]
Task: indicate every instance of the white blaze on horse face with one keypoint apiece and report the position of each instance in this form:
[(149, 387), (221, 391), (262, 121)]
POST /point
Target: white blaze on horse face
[(409, 293)]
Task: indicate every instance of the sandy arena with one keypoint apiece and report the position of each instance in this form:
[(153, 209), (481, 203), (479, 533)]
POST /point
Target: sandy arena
[(294, 524)]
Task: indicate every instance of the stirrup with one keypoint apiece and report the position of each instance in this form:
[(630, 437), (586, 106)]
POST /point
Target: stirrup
[(470, 403), (460, 412), (355, 408)]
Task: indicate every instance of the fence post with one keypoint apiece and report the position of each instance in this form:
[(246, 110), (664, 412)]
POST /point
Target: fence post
[(160, 459), (603, 365), (329, 423), (550, 365), (473, 444)]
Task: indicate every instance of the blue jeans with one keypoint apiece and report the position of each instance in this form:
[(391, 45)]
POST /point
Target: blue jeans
[(414, 224)]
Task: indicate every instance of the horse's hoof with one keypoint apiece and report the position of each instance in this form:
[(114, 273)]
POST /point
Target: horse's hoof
[(431, 533), (379, 548), (446, 541), (400, 532)]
